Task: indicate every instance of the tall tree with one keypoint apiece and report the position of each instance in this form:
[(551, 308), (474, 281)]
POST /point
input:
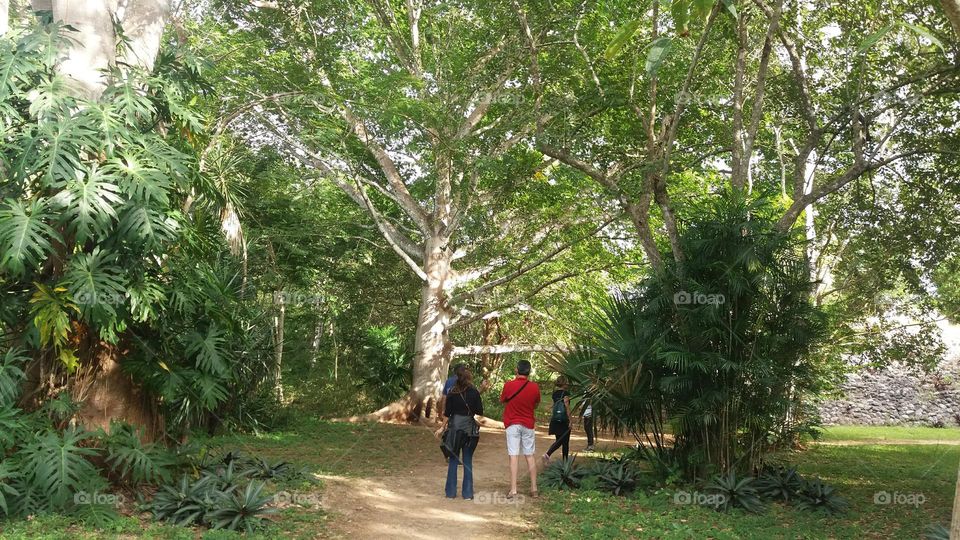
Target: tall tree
[(414, 112), (743, 93)]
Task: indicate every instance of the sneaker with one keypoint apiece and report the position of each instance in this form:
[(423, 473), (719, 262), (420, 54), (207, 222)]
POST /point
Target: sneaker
[(589, 449)]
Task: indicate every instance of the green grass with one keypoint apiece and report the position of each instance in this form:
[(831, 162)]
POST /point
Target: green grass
[(859, 472), (889, 433), (291, 523), (327, 447)]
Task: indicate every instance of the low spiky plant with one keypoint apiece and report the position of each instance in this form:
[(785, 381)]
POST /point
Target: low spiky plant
[(820, 497), (735, 492), (563, 474), (780, 484), (617, 477), (241, 510)]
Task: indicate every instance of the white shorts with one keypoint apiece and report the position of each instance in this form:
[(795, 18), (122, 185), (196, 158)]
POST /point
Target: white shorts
[(520, 436)]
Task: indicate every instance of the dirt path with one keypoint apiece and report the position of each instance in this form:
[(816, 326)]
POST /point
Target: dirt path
[(411, 503)]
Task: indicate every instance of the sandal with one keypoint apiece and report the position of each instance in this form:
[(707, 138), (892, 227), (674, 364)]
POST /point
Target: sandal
[(511, 496), (534, 494)]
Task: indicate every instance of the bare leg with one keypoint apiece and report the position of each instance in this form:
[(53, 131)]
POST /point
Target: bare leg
[(514, 465), (532, 467)]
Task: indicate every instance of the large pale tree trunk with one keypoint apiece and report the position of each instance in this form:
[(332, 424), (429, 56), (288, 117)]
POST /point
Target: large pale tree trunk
[(432, 348), (4, 16), (95, 47)]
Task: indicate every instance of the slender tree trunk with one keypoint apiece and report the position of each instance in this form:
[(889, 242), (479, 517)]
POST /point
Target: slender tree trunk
[(336, 349), (490, 362), (955, 522), (278, 324)]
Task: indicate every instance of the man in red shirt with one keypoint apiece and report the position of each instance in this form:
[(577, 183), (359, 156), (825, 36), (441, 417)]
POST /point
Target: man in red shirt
[(520, 398)]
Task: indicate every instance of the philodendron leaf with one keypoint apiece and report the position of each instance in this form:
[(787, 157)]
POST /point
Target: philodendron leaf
[(621, 39), (658, 52)]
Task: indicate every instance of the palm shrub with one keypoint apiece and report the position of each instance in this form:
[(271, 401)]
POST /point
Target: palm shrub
[(717, 352)]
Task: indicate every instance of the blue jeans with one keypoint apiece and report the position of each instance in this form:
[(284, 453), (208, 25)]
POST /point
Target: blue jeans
[(466, 454)]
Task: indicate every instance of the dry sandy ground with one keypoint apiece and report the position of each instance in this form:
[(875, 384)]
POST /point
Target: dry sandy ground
[(411, 503)]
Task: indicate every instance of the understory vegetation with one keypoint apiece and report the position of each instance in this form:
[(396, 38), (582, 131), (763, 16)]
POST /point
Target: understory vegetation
[(239, 240)]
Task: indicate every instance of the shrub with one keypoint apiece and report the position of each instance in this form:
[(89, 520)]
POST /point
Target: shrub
[(729, 334), (135, 462), (223, 500), (735, 492), (819, 497), (563, 474), (780, 484), (616, 477)]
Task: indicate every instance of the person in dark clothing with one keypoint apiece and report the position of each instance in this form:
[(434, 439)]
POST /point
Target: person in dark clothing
[(588, 423), (463, 403), (560, 419)]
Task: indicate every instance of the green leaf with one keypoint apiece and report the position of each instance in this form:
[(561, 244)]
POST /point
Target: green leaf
[(702, 7), (659, 50), (88, 203), (24, 235), (208, 350), (924, 32), (10, 376), (621, 39), (58, 466), (873, 38), (731, 6), (680, 11), (96, 285)]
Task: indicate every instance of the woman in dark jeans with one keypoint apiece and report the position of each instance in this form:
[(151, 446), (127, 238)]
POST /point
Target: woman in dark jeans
[(463, 402), (560, 424)]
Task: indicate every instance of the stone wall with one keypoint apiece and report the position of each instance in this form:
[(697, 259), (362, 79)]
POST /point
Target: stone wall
[(899, 396)]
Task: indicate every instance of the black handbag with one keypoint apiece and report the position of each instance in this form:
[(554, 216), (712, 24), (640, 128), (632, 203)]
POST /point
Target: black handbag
[(459, 429)]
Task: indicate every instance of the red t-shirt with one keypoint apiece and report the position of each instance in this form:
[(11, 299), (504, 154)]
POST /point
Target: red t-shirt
[(519, 410)]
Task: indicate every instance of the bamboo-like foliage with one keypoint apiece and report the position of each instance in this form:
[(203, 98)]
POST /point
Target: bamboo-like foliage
[(705, 368)]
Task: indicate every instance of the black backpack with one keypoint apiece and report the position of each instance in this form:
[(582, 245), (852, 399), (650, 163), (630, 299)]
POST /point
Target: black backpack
[(559, 411)]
